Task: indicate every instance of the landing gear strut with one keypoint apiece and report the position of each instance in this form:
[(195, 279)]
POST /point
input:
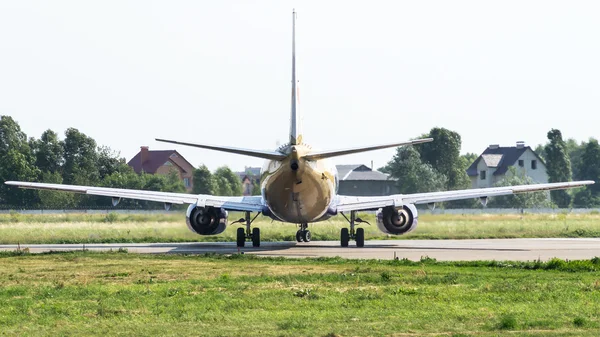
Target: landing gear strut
[(303, 234), (357, 234), (247, 233)]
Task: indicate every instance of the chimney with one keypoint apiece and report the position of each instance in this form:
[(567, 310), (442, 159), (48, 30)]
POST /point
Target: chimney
[(371, 165), (143, 155), (494, 146), (520, 144)]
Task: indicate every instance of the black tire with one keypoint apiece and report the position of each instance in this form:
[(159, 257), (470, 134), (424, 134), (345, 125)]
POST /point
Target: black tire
[(306, 236), (345, 237), (255, 237), (299, 236), (360, 237), (241, 237)]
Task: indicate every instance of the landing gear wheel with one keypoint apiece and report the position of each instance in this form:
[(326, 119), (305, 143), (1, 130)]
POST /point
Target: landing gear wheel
[(241, 237), (360, 237), (255, 237), (306, 236), (299, 236), (345, 237)]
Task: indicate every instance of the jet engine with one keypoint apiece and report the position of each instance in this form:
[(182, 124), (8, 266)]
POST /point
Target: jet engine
[(397, 221), (206, 220)]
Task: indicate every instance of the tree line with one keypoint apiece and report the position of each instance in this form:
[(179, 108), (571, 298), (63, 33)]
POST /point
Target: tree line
[(428, 167), (78, 160)]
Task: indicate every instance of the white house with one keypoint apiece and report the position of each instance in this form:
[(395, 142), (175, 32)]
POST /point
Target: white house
[(494, 162)]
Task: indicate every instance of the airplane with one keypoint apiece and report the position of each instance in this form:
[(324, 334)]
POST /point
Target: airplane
[(299, 185)]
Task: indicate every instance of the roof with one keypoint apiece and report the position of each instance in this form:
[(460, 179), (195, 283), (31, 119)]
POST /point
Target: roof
[(359, 172), (492, 160), (155, 160), (501, 158)]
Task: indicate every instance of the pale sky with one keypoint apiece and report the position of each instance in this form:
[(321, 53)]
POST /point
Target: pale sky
[(218, 72)]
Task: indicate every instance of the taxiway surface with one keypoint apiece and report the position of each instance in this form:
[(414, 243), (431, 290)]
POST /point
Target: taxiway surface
[(449, 250)]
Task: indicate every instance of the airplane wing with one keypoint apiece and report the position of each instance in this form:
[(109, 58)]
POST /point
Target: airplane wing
[(250, 203), (350, 203)]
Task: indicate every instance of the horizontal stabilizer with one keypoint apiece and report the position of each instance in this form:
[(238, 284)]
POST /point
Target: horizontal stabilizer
[(272, 155), (335, 153)]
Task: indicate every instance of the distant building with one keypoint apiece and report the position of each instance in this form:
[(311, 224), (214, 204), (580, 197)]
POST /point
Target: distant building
[(162, 162), (360, 180), (493, 165), (249, 177)]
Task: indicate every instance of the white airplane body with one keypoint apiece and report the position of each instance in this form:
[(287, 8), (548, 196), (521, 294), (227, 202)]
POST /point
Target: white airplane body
[(299, 185)]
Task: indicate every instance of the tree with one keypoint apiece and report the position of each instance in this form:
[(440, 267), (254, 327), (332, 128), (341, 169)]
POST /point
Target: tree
[(48, 152), (173, 182), (443, 154), (540, 150), (232, 179), (412, 174), (521, 200), (575, 151), (585, 199), (203, 181), (222, 185), (558, 166), (467, 159), (16, 163), (81, 159), (109, 162), (590, 170)]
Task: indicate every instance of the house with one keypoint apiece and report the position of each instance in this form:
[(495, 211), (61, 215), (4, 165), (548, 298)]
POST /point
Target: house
[(249, 177), (494, 163), (162, 162), (361, 180)]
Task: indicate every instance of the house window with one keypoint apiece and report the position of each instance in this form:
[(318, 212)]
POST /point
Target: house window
[(482, 175), (534, 164), (521, 162), (186, 182)]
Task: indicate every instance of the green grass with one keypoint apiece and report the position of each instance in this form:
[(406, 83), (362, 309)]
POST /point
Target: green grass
[(85, 228), (109, 294)]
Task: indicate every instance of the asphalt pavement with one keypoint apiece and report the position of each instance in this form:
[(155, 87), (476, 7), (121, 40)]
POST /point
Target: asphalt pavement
[(449, 250)]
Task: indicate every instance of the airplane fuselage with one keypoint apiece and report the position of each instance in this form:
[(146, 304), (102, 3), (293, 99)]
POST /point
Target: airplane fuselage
[(297, 190)]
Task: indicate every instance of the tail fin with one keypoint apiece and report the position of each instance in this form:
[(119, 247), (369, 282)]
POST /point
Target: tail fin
[(295, 127)]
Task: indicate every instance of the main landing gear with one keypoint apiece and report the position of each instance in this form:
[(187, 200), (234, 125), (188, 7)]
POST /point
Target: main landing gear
[(358, 235), (247, 233), (303, 234)]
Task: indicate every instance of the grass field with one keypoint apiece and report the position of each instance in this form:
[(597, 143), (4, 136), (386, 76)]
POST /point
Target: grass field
[(82, 228), (117, 293)]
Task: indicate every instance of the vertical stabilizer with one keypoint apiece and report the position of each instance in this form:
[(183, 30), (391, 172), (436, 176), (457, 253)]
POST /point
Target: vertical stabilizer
[(295, 131)]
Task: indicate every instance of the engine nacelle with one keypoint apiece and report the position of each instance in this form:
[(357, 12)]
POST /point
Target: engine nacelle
[(397, 221), (206, 220)]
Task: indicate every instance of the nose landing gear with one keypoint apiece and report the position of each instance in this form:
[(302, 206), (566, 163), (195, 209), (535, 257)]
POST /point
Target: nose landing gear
[(357, 235)]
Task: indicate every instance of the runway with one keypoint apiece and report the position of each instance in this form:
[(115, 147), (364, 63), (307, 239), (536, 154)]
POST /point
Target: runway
[(448, 250)]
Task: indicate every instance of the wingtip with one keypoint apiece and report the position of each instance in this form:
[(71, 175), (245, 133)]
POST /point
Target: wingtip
[(422, 140)]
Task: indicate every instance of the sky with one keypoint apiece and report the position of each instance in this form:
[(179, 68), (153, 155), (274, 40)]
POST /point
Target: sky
[(219, 72)]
